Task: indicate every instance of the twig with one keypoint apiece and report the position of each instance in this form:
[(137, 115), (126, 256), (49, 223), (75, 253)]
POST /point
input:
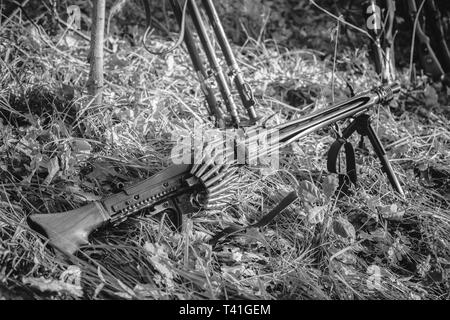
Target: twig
[(69, 27), (184, 104), (150, 29), (341, 20), (81, 34), (411, 56), (334, 60), (287, 106), (13, 74), (15, 12)]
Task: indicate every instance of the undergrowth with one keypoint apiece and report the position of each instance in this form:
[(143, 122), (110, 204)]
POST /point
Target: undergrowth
[(58, 152)]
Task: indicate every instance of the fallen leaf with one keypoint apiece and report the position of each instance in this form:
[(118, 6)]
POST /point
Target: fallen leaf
[(53, 168), (342, 227), (170, 64), (66, 92), (72, 275), (253, 234), (116, 62), (74, 17), (159, 260), (70, 40), (80, 195), (116, 8), (317, 214), (81, 148), (53, 285), (236, 256), (147, 291), (391, 212), (34, 37), (233, 271), (397, 250), (373, 281), (330, 185), (309, 192), (431, 96), (127, 294)]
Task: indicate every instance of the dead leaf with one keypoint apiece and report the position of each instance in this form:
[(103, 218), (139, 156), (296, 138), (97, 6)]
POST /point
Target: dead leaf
[(330, 185), (398, 250), (342, 227), (127, 294), (53, 168), (309, 192), (253, 234), (391, 212), (431, 96), (74, 17), (81, 146), (116, 61), (34, 37), (72, 275), (66, 92), (317, 214), (53, 285), (159, 260), (233, 272), (70, 41), (81, 195), (115, 9), (147, 291), (170, 64)]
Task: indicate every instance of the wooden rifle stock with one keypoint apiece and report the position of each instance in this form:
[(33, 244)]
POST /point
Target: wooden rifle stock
[(69, 230)]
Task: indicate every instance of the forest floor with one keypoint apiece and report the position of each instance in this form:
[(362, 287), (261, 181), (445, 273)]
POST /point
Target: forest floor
[(57, 152)]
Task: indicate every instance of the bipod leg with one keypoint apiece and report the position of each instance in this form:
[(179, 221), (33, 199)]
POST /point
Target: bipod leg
[(364, 128), (362, 125)]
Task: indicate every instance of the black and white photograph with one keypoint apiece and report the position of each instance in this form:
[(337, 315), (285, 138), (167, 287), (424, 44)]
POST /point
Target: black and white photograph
[(223, 157)]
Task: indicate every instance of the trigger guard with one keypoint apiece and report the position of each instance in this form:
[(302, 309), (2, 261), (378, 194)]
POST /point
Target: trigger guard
[(176, 207), (169, 208)]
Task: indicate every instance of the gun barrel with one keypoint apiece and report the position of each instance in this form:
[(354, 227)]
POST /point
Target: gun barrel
[(296, 129)]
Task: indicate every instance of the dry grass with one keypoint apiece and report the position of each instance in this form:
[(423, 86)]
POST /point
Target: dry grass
[(65, 152)]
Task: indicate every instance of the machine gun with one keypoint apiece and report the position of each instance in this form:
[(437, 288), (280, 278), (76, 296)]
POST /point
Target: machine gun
[(208, 184)]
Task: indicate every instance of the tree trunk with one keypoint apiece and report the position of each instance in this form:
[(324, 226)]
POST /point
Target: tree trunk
[(95, 82)]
